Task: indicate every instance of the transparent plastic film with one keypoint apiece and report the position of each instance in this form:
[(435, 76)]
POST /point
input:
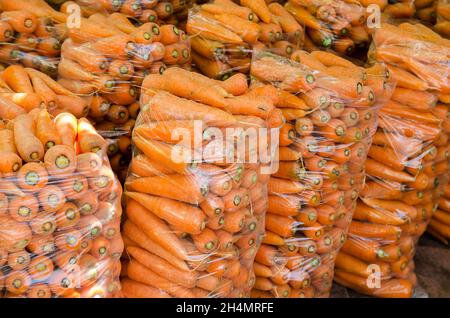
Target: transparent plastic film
[(197, 186), (30, 37), (105, 60), (157, 11), (407, 165), (331, 109), (223, 34), (60, 210)]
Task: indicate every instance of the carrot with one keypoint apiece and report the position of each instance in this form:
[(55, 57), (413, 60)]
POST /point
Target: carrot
[(28, 146), (364, 212), (134, 289), (363, 248), (40, 268), (6, 32), (165, 208), (235, 221), (39, 291), (303, 16), (10, 162), (281, 225), (380, 170), (17, 282), (160, 266), (17, 78), (88, 139), (18, 260), (155, 229), (284, 205), (397, 207), (200, 24), (32, 176), (382, 231), (9, 110), (178, 110), (21, 21), (326, 214)]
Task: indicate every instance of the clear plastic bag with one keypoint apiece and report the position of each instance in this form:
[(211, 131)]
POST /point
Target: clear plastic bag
[(196, 199), (105, 61), (331, 107), (60, 210), (224, 33), (405, 169)]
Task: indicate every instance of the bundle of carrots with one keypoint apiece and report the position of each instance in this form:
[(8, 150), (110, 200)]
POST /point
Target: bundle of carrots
[(106, 59), (157, 11), (60, 209), (30, 40), (223, 34), (330, 106), (196, 201), (407, 166), (24, 89)]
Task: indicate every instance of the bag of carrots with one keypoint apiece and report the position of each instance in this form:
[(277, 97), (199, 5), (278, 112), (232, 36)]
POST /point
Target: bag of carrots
[(407, 165), (196, 194), (30, 37), (330, 106), (60, 209), (224, 33), (157, 11), (105, 61)]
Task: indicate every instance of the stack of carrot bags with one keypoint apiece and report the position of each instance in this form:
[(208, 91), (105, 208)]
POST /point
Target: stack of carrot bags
[(330, 106), (24, 89), (407, 168), (30, 39), (161, 12), (59, 209), (224, 33), (106, 59), (196, 200)]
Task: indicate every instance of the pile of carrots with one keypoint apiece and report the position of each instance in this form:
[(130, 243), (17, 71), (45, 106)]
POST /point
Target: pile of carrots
[(106, 59), (157, 11), (330, 106), (59, 209), (407, 165), (224, 33), (194, 225), (24, 89), (30, 40)]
